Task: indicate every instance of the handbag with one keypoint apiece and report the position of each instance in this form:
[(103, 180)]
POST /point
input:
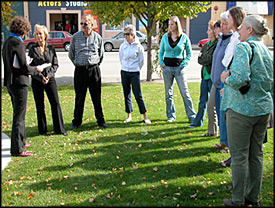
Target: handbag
[(244, 89)]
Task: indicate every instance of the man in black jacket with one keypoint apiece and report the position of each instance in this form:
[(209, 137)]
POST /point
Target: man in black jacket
[(16, 79)]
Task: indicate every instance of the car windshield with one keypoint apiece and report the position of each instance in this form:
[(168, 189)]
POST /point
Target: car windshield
[(119, 35), (69, 34)]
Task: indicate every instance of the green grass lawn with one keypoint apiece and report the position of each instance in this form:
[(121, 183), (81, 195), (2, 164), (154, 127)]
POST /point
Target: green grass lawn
[(162, 164)]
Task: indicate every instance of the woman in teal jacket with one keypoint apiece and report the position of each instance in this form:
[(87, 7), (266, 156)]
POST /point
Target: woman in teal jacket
[(173, 60), (248, 113)]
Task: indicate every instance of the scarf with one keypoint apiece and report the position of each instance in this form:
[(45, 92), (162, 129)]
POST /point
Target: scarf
[(15, 35)]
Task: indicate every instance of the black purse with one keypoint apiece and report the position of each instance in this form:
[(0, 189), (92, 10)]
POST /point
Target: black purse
[(244, 89)]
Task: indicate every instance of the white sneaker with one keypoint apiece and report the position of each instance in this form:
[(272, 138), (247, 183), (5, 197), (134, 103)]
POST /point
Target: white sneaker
[(147, 121), (170, 120), (128, 120)]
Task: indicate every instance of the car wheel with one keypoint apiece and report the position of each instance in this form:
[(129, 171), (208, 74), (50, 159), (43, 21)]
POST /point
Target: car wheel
[(67, 46), (30, 45), (108, 47), (144, 46)]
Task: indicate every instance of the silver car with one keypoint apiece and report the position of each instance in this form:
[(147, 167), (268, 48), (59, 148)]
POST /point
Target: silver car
[(118, 39)]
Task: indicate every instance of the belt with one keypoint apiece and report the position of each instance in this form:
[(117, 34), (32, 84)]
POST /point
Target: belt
[(86, 66)]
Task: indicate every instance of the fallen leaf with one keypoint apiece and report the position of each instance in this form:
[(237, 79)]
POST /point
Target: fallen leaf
[(30, 196), (155, 169), (193, 196), (92, 199)]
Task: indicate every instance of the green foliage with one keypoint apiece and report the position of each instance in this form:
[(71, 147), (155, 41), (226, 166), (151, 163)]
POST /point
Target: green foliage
[(7, 13), (138, 165), (114, 12)]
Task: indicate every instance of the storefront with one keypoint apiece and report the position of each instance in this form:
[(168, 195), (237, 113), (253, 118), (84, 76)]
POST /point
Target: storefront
[(59, 15)]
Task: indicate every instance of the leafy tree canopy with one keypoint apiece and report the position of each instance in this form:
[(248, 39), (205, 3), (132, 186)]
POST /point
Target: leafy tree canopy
[(114, 12), (7, 13)]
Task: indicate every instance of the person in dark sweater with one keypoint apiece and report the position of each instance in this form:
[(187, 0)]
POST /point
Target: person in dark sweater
[(43, 53), (16, 79)]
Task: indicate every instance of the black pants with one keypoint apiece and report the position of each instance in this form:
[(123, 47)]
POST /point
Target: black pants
[(85, 78), (50, 88), (19, 97), (128, 79)]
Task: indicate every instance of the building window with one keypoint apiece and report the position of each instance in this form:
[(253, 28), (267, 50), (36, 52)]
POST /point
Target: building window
[(120, 26)]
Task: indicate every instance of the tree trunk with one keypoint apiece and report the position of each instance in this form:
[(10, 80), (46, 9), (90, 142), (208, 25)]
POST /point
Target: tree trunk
[(149, 46)]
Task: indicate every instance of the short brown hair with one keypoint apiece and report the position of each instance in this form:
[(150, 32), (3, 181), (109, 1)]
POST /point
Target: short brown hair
[(238, 14), (20, 25)]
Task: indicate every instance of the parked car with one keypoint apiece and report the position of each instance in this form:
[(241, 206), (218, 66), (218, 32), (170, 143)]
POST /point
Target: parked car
[(59, 39), (118, 39), (202, 42)]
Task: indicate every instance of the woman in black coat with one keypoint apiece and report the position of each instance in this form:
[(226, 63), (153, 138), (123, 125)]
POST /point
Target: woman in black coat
[(42, 53), (16, 79)]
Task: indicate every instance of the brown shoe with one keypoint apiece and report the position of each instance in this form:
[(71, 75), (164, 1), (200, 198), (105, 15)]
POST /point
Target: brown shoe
[(229, 203)]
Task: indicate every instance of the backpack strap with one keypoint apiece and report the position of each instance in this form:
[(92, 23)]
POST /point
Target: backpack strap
[(252, 56)]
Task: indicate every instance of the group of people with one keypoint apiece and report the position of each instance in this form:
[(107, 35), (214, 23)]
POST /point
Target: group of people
[(237, 79), (232, 58)]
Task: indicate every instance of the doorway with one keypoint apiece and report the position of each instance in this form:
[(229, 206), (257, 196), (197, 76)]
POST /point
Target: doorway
[(54, 17)]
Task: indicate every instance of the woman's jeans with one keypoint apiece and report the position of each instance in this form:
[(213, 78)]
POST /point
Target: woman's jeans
[(205, 94), (128, 79), (221, 117), (245, 136), (169, 73)]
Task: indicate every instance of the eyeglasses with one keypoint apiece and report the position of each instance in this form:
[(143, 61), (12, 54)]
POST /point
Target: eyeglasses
[(85, 24), (128, 34)]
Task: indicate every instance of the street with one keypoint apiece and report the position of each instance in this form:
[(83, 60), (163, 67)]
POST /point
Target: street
[(110, 68)]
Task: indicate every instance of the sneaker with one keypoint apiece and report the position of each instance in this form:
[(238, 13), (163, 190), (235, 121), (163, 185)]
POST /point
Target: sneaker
[(147, 121), (191, 126), (170, 120), (128, 120)]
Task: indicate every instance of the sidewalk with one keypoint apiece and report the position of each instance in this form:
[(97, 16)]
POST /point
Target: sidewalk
[(5, 146)]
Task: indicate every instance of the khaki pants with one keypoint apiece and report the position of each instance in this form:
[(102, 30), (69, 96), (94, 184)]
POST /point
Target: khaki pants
[(211, 112), (245, 137)]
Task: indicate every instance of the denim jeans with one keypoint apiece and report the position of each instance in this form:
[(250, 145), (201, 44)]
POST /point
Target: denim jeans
[(128, 79), (169, 73), (205, 94), (221, 117)]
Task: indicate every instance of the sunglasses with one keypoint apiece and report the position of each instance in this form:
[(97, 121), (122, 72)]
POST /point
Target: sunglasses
[(127, 34), (85, 24)]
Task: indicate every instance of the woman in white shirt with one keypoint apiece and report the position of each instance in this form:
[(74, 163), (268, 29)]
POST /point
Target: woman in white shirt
[(132, 59), (235, 18)]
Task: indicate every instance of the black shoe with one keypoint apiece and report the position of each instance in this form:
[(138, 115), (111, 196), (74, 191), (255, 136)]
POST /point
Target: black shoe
[(229, 203), (226, 163), (191, 126), (73, 127), (230, 187), (250, 203), (43, 134), (104, 125)]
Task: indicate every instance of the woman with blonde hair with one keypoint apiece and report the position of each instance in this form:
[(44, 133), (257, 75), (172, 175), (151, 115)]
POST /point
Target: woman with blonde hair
[(42, 53), (248, 110), (173, 47)]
